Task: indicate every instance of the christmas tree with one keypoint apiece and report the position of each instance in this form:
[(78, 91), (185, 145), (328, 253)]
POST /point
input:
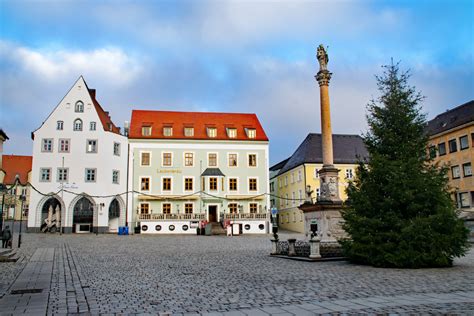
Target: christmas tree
[(399, 211)]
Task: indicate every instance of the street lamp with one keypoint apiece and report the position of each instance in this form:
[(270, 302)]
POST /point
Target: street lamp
[(22, 199), (3, 190)]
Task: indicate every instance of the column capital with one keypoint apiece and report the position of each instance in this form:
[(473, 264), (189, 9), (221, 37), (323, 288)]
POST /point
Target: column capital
[(323, 77)]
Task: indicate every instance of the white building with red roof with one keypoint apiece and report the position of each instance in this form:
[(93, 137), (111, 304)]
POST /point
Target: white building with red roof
[(79, 167), (189, 168)]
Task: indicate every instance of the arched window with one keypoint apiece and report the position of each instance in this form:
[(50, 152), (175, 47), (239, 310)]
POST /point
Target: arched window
[(78, 125), (79, 106)]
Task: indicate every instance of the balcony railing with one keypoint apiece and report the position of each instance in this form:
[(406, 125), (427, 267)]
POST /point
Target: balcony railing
[(254, 216), (150, 217)]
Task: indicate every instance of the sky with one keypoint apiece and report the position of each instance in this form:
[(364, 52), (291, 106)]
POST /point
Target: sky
[(229, 56)]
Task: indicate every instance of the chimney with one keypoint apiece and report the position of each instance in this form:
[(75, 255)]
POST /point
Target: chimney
[(126, 128), (92, 93)]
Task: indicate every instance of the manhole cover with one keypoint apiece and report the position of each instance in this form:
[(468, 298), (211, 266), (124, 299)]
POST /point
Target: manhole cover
[(26, 291)]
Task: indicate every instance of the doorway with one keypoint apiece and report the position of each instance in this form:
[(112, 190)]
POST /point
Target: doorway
[(212, 213)]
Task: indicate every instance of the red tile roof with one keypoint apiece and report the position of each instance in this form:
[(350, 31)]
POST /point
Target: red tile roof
[(199, 121), (13, 165), (105, 119)]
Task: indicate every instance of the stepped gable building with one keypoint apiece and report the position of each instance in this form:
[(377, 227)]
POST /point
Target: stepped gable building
[(78, 154), (190, 167), (301, 170), (13, 166), (451, 142)]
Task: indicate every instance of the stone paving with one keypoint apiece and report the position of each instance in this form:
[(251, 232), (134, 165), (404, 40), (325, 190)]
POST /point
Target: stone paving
[(216, 275)]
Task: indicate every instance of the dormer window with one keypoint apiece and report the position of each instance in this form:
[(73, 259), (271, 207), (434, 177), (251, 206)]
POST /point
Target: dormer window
[(211, 132), (79, 107), (251, 132), (167, 131), (189, 131), (146, 130), (78, 125), (231, 132)]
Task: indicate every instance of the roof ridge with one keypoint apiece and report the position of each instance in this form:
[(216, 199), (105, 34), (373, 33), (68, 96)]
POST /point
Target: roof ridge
[(199, 112)]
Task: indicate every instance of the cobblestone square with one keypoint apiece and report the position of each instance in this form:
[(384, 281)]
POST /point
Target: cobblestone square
[(214, 275)]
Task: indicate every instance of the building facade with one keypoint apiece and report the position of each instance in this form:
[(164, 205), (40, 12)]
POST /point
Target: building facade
[(79, 167), (300, 171), (451, 143), (187, 168), (17, 171)]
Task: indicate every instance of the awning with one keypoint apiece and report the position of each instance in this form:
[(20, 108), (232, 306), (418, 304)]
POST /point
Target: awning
[(212, 172)]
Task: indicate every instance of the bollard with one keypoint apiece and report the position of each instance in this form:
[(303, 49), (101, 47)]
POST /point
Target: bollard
[(314, 248), (274, 247), (291, 247)]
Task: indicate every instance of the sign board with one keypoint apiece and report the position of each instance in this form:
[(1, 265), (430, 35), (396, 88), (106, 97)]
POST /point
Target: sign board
[(274, 211), (313, 221)]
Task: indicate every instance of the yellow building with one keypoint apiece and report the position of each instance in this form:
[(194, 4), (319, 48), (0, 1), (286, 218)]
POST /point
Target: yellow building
[(451, 142), (292, 176)]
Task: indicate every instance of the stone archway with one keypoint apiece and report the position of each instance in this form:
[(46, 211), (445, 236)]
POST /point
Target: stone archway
[(55, 216), (83, 209), (116, 214)]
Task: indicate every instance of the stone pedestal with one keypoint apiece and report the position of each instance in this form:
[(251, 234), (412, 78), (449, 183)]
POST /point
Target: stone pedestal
[(274, 246), (314, 248), (328, 216), (291, 247), (329, 185)]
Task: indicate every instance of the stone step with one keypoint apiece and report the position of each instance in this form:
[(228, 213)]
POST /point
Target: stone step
[(217, 229), (10, 255)]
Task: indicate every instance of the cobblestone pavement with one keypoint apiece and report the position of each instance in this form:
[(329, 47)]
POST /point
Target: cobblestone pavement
[(216, 275)]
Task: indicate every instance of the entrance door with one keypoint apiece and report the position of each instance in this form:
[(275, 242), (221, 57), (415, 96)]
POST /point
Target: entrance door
[(212, 213)]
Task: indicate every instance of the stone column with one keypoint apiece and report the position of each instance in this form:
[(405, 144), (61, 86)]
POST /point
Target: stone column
[(329, 179), (291, 247)]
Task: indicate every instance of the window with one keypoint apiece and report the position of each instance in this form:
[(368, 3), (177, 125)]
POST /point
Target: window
[(188, 159), (115, 176), (252, 184), (286, 199), (232, 160), (213, 184), (464, 200), (92, 126), (47, 145), (300, 178), (188, 208), (316, 173), (91, 146), (463, 142), (145, 159), (231, 132), (293, 198), (167, 161), (233, 208), (59, 125), (286, 181), (166, 208), (189, 131), (456, 172), (300, 196), (144, 208), (64, 145), (292, 177), (167, 131), (188, 184), (452, 146), (117, 149), (45, 174), (252, 160), (90, 175), (145, 184), (79, 107), (251, 132), (272, 186), (432, 151), (279, 183), (442, 149), (467, 169), (146, 130), (78, 125), (349, 173), (166, 184), (212, 160), (62, 174), (232, 184), (253, 207), (212, 132)]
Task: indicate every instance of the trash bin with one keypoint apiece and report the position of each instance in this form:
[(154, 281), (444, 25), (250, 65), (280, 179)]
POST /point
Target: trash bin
[(137, 229), (120, 230), (125, 230), (198, 231), (208, 230)]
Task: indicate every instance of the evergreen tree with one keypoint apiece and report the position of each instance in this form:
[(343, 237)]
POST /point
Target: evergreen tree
[(399, 211)]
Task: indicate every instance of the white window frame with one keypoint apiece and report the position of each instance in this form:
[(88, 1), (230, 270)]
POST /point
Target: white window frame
[(118, 147), (228, 184), (93, 126), (163, 158), (79, 107), (256, 160), (51, 145), (349, 173), (58, 174), (464, 166), (184, 184), (217, 160), (300, 175), (192, 207), (95, 149), (167, 131), (251, 133), (147, 128), (248, 185), (95, 175), (141, 161), (231, 132), (184, 159), (163, 182), (49, 175), (59, 125), (236, 160), (140, 207), (115, 181), (149, 183), (189, 131), (68, 140), (77, 125), (211, 132)]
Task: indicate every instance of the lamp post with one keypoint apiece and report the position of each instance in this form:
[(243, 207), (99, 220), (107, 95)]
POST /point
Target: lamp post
[(3, 189), (22, 199)]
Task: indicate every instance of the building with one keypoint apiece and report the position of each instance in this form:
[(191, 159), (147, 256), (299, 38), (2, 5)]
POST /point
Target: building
[(79, 166), (16, 167), (451, 143), (190, 167), (301, 171)]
